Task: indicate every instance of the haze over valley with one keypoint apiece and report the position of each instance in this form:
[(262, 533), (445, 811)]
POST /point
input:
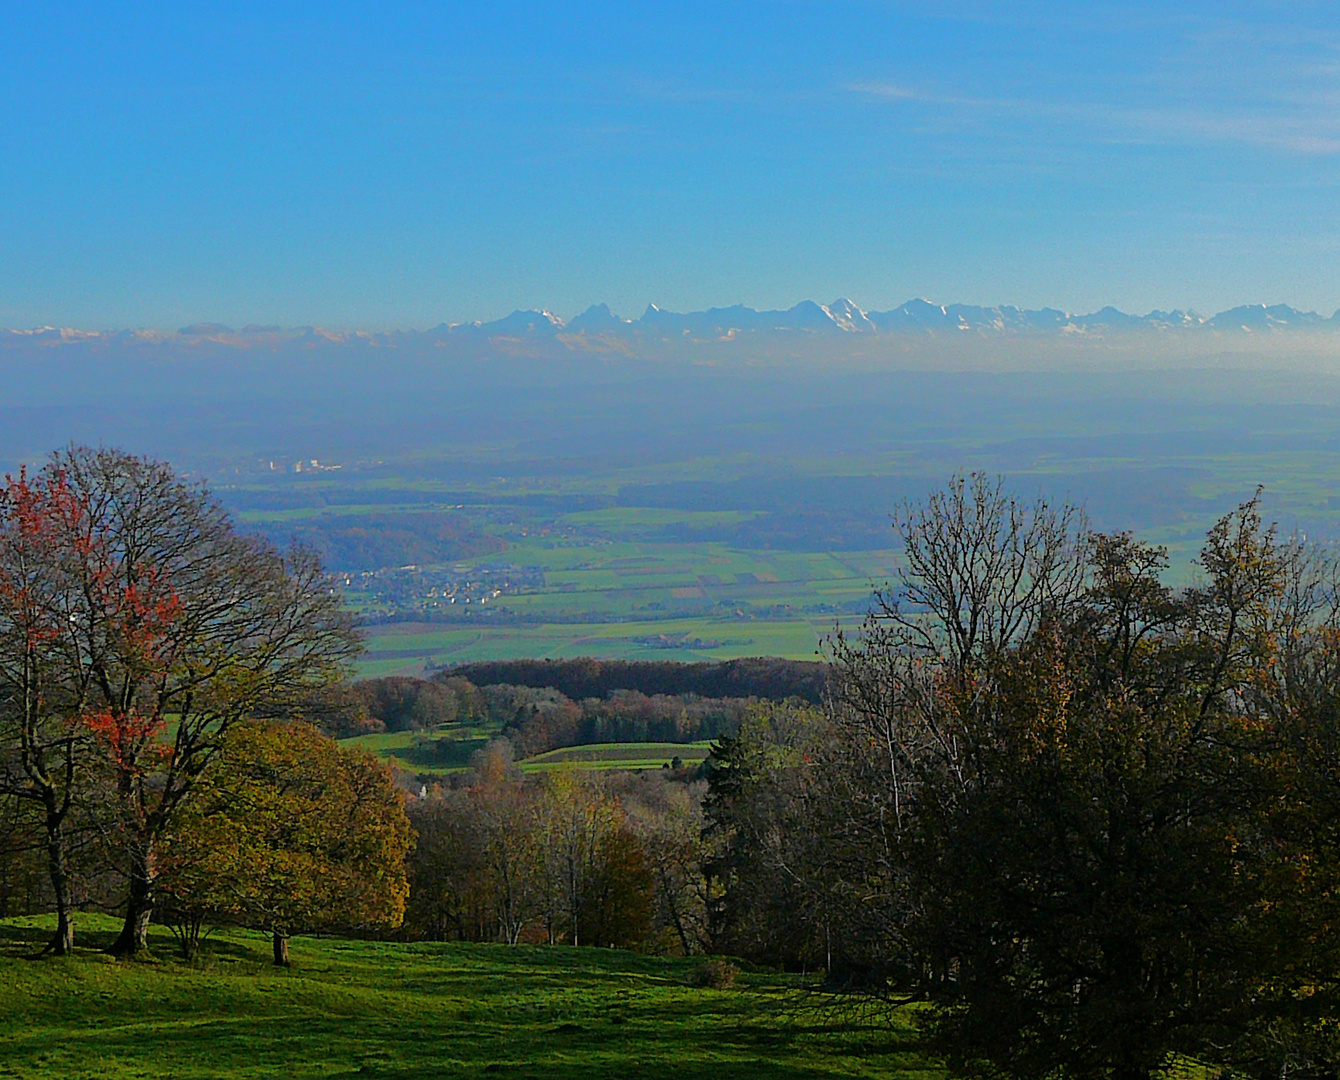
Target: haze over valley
[(716, 483)]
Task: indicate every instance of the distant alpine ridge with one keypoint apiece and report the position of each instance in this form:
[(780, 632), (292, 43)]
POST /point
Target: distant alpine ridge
[(597, 324)]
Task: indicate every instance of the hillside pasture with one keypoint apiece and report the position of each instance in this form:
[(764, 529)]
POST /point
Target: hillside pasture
[(410, 648), (643, 755), (409, 1011), (449, 749), (426, 753)]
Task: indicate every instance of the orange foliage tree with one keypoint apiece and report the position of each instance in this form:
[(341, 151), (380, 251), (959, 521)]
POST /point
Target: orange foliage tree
[(287, 832)]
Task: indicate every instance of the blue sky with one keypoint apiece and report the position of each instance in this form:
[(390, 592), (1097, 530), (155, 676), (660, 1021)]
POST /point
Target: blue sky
[(387, 164)]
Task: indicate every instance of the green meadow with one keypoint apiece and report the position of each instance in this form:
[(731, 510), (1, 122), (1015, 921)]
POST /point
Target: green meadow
[(362, 1008), (444, 749), (448, 749), (634, 599), (644, 755), (409, 648)]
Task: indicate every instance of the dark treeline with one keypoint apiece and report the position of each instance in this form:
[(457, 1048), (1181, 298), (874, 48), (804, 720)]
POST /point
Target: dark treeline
[(624, 716), (764, 677), (534, 719), (1091, 821), (347, 542), (403, 703)]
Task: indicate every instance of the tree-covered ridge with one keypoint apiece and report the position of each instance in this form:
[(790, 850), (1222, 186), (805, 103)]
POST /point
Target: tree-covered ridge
[(587, 677), (354, 543), (534, 719)]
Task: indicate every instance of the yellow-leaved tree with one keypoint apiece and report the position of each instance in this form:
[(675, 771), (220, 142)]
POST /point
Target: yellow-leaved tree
[(287, 833)]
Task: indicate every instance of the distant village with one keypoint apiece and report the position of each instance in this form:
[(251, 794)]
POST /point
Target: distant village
[(394, 593)]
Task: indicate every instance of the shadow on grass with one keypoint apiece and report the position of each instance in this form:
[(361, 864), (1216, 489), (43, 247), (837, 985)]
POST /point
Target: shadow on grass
[(409, 1011), (14, 936), (406, 1048), (441, 753), (27, 938)]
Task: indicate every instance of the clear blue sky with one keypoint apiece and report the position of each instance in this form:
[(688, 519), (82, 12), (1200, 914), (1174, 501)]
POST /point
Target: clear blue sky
[(396, 165)]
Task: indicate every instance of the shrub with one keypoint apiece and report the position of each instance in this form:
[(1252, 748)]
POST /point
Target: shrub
[(716, 974)]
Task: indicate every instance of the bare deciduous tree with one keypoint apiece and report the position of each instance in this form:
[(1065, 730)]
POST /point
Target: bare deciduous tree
[(980, 571)]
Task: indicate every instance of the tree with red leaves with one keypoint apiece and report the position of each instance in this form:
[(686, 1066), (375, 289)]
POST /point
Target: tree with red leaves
[(41, 691), (167, 628)]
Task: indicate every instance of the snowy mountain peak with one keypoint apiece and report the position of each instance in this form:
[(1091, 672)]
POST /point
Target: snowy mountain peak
[(917, 317)]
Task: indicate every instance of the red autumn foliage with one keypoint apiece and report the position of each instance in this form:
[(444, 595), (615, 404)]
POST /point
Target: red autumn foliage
[(49, 527), (129, 737), (36, 515)]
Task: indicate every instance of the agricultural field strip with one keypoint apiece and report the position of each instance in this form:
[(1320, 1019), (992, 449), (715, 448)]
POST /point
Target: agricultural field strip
[(410, 638), (800, 579), (632, 554), (636, 751), (602, 765), (396, 747), (795, 580), (403, 636), (627, 755), (388, 741), (797, 638)]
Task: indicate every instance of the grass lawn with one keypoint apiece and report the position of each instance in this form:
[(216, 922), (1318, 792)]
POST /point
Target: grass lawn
[(427, 753), (350, 1008)]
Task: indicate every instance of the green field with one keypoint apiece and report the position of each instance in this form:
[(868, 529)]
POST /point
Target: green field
[(427, 753), (636, 600), (351, 1008), (608, 583), (713, 558), (449, 749), (644, 755), (408, 648)]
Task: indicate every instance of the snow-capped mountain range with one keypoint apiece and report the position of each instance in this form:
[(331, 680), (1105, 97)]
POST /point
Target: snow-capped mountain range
[(599, 324)]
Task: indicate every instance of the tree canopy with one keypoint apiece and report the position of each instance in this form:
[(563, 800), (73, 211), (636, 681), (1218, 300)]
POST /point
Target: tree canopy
[(288, 832), (136, 627), (1088, 817)]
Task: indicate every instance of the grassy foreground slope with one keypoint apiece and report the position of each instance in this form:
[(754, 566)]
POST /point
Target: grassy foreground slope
[(416, 1010)]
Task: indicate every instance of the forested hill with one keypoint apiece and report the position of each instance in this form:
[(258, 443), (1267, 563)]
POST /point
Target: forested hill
[(586, 677)]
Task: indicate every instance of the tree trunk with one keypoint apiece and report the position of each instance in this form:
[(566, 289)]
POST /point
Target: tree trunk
[(669, 891), (62, 943), (139, 906), (281, 949)]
